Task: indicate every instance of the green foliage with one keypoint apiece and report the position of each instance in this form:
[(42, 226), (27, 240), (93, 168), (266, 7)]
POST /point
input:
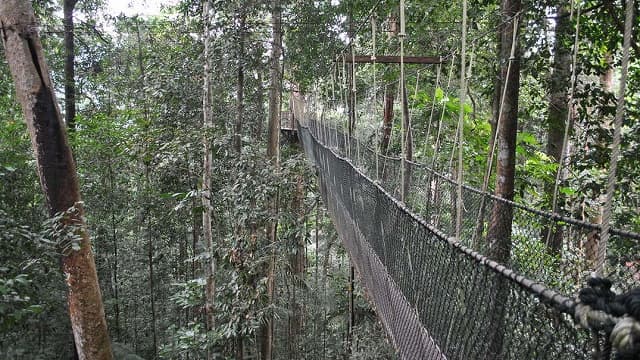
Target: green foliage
[(15, 306), (138, 149)]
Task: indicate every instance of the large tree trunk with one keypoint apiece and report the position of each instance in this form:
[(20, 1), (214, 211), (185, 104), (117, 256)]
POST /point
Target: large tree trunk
[(57, 173), (592, 242), (558, 114), (499, 232), (297, 265), (273, 155), (69, 65), (207, 214)]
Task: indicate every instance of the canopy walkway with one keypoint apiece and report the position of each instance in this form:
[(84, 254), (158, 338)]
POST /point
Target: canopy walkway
[(439, 298)]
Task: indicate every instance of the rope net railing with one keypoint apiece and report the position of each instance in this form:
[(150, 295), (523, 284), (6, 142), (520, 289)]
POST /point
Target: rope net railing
[(436, 298), (552, 249), (439, 297)]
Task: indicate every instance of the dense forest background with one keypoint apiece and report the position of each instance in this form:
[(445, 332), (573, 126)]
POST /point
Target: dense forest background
[(132, 89)]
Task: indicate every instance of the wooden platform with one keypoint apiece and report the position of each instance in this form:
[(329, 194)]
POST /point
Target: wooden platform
[(289, 135)]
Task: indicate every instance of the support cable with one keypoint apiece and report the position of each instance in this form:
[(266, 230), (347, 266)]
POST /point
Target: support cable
[(355, 102), (436, 149), (403, 144), (569, 121), (463, 94), (433, 106), (374, 30), (617, 139)]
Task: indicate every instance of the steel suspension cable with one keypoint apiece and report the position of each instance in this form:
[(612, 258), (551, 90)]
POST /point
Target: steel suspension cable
[(463, 94), (617, 140), (436, 148), (374, 30), (433, 106), (405, 131)]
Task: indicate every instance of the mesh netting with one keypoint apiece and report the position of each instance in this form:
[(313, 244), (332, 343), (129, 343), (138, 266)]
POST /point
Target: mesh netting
[(555, 250), (438, 298)]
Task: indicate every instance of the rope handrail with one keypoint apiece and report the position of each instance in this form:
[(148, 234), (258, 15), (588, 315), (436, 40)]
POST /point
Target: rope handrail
[(547, 214), (561, 302)]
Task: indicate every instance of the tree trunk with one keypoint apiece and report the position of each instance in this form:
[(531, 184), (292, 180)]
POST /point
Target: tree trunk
[(114, 239), (499, 232), (57, 173), (273, 155), (207, 214), (297, 264), (237, 135), (146, 200), (387, 120), (69, 65), (258, 127), (558, 114), (592, 242), (351, 315)]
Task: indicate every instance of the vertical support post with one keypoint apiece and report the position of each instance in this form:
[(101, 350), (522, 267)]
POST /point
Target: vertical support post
[(403, 141), (463, 94)]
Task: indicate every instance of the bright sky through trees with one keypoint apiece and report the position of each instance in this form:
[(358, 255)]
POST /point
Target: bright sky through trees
[(137, 7)]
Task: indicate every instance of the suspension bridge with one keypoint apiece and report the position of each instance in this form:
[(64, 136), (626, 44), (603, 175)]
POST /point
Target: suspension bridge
[(439, 297), (424, 243)]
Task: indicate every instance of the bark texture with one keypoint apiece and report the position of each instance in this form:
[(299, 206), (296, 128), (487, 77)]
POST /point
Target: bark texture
[(387, 120), (273, 155), (57, 173), (297, 266), (69, 65), (558, 111), (499, 231)]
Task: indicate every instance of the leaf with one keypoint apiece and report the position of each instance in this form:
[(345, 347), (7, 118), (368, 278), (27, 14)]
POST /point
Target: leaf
[(567, 191)]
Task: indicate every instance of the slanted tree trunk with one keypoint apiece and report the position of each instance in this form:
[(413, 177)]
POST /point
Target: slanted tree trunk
[(273, 155), (558, 113), (69, 64), (207, 213), (499, 231), (57, 173)]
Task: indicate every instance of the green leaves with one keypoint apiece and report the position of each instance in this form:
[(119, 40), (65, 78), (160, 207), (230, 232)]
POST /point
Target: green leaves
[(15, 305)]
